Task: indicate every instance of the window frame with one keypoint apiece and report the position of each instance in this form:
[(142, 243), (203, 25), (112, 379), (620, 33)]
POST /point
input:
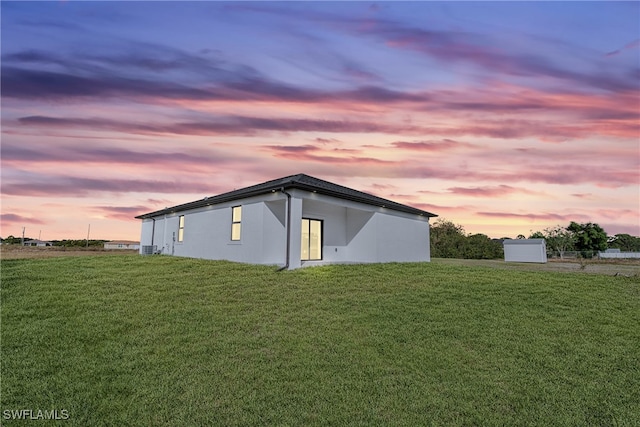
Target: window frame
[(321, 221), (235, 223)]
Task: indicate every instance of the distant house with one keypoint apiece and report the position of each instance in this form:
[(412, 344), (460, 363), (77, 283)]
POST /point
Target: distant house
[(122, 244), (293, 221), (38, 243), (525, 250), (616, 253)]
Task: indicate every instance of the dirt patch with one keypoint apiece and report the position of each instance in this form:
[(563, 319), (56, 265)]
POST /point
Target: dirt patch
[(26, 252)]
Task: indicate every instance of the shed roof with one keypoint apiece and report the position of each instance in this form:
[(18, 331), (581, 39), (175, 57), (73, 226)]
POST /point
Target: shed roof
[(523, 241), (301, 182)]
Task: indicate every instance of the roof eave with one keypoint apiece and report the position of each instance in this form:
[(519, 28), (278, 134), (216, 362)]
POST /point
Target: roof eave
[(389, 204), (207, 201)]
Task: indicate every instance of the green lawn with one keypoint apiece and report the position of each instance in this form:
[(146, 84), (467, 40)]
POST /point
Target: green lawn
[(131, 340)]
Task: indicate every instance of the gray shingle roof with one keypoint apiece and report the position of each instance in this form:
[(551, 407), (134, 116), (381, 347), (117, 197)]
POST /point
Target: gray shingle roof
[(299, 181)]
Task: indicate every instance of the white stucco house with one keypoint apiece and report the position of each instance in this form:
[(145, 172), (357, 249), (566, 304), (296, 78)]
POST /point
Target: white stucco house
[(121, 245), (525, 250), (292, 222), (37, 242)]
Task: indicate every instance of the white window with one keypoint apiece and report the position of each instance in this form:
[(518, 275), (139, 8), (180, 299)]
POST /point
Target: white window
[(311, 240), (181, 228), (236, 222)]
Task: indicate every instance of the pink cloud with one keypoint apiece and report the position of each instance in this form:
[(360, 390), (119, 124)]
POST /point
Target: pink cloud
[(536, 217), (582, 195), (525, 113), (327, 140), (441, 145), (612, 214), (382, 187), (123, 213), (489, 191), (308, 153), (439, 209)]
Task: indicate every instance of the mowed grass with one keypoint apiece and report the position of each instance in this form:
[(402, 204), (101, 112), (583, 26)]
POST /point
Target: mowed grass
[(131, 340)]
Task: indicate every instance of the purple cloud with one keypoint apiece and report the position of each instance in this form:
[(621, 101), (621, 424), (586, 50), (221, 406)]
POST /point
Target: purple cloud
[(61, 185), (111, 155), (237, 125), (20, 219), (440, 145)]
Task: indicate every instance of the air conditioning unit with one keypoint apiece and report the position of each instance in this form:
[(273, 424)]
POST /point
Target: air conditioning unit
[(148, 249)]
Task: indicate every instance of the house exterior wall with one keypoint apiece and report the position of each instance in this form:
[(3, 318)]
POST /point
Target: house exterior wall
[(359, 233), (608, 254), (525, 250), (334, 244), (387, 237), (402, 239), (352, 231), (207, 232)]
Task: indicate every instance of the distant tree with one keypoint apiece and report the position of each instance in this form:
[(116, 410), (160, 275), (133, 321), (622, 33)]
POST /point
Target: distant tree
[(79, 243), (520, 237), (11, 240), (589, 238), (480, 246), (625, 242), (447, 239), (537, 235), (558, 239)]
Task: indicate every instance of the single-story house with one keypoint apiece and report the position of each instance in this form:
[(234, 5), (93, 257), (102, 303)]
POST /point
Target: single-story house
[(293, 221), (122, 244), (38, 243), (525, 250), (617, 253)]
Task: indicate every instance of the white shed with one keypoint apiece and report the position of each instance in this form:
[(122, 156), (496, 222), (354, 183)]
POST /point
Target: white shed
[(293, 221), (525, 250)]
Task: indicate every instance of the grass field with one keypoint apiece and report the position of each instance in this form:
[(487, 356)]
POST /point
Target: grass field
[(131, 340)]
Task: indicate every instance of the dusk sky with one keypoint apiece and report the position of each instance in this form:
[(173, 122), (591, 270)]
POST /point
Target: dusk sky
[(503, 117)]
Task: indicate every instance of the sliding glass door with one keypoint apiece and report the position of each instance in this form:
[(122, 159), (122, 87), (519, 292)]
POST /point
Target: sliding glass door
[(311, 239)]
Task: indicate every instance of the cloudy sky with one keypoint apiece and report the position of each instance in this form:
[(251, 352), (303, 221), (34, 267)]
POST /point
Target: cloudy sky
[(503, 117)]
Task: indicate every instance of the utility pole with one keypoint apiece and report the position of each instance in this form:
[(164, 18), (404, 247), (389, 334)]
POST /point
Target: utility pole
[(22, 241), (88, 231)]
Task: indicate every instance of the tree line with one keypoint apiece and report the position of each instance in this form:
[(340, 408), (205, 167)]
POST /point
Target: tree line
[(587, 239), (449, 240), (68, 243)]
